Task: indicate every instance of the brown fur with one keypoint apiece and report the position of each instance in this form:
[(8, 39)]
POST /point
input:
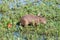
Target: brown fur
[(32, 19)]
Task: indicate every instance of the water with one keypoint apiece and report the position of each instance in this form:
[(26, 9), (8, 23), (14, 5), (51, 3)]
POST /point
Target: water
[(16, 3), (16, 35), (48, 3), (25, 37), (22, 2), (1, 16), (0, 1), (11, 5), (58, 6)]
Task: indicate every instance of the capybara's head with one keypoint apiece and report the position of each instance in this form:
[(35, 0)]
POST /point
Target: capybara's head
[(42, 20)]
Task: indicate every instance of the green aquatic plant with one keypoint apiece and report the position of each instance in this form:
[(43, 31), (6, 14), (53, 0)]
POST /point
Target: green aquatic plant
[(47, 8)]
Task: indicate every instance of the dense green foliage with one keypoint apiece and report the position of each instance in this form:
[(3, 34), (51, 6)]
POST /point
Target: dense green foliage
[(50, 9)]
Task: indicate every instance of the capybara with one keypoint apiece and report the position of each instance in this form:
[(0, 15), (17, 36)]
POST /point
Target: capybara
[(31, 19)]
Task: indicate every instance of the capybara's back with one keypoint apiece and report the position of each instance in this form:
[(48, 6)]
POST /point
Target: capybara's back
[(31, 19)]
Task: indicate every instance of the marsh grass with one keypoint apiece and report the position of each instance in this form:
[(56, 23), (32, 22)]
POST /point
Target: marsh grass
[(49, 31)]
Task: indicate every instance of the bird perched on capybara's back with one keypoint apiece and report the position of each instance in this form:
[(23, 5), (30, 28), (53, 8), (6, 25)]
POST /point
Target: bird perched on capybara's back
[(31, 19)]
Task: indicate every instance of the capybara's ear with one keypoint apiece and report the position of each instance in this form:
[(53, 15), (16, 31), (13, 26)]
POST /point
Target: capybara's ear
[(38, 14)]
